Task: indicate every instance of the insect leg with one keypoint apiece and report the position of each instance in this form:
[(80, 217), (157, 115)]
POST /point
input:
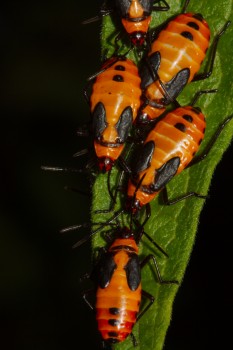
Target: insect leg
[(166, 7), (168, 201), (62, 169), (202, 156), (152, 257), (205, 75), (104, 11), (88, 225), (85, 296), (148, 214), (151, 300), (134, 340)]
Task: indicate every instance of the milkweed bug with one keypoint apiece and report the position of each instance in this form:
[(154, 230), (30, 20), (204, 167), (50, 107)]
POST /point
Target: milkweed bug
[(174, 60), (117, 275), (135, 16)]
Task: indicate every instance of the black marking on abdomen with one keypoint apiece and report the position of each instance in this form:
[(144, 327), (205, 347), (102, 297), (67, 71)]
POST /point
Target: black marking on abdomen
[(193, 25), (198, 16), (188, 117), (119, 67), (187, 35), (114, 310), (113, 322), (196, 110), (118, 78), (180, 126)]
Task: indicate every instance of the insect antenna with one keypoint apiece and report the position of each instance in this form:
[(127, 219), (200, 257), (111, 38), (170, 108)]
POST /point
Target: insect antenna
[(89, 225)]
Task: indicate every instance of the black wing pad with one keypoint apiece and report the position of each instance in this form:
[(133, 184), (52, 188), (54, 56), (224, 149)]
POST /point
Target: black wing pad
[(99, 120), (123, 7), (143, 158), (133, 272), (175, 85), (105, 268), (147, 6), (165, 173), (124, 124), (149, 69)]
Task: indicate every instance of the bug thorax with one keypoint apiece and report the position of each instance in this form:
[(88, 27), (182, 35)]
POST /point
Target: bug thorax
[(136, 20), (125, 240)]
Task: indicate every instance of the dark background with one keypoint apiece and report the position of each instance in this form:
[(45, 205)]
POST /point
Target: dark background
[(46, 57)]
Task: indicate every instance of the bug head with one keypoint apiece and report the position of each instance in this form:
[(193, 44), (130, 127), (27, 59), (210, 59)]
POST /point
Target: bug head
[(132, 205), (138, 38), (105, 164), (126, 233), (142, 118), (134, 198)]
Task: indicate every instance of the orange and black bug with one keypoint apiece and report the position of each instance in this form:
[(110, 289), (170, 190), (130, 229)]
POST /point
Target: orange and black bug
[(114, 104), (135, 16), (174, 60), (117, 275), (168, 149)]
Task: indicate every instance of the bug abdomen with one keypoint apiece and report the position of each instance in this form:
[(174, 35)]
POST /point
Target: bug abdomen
[(179, 134), (115, 324), (114, 103), (117, 305), (117, 88), (181, 45), (169, 148)]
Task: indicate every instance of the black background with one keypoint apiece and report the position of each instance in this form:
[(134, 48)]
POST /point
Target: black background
[(46, 57)]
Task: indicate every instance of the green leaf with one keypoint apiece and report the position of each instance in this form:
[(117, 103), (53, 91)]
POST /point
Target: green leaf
[(174, 227)]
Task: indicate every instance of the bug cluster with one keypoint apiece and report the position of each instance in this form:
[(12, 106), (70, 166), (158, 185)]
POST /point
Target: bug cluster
[(128, 105)]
